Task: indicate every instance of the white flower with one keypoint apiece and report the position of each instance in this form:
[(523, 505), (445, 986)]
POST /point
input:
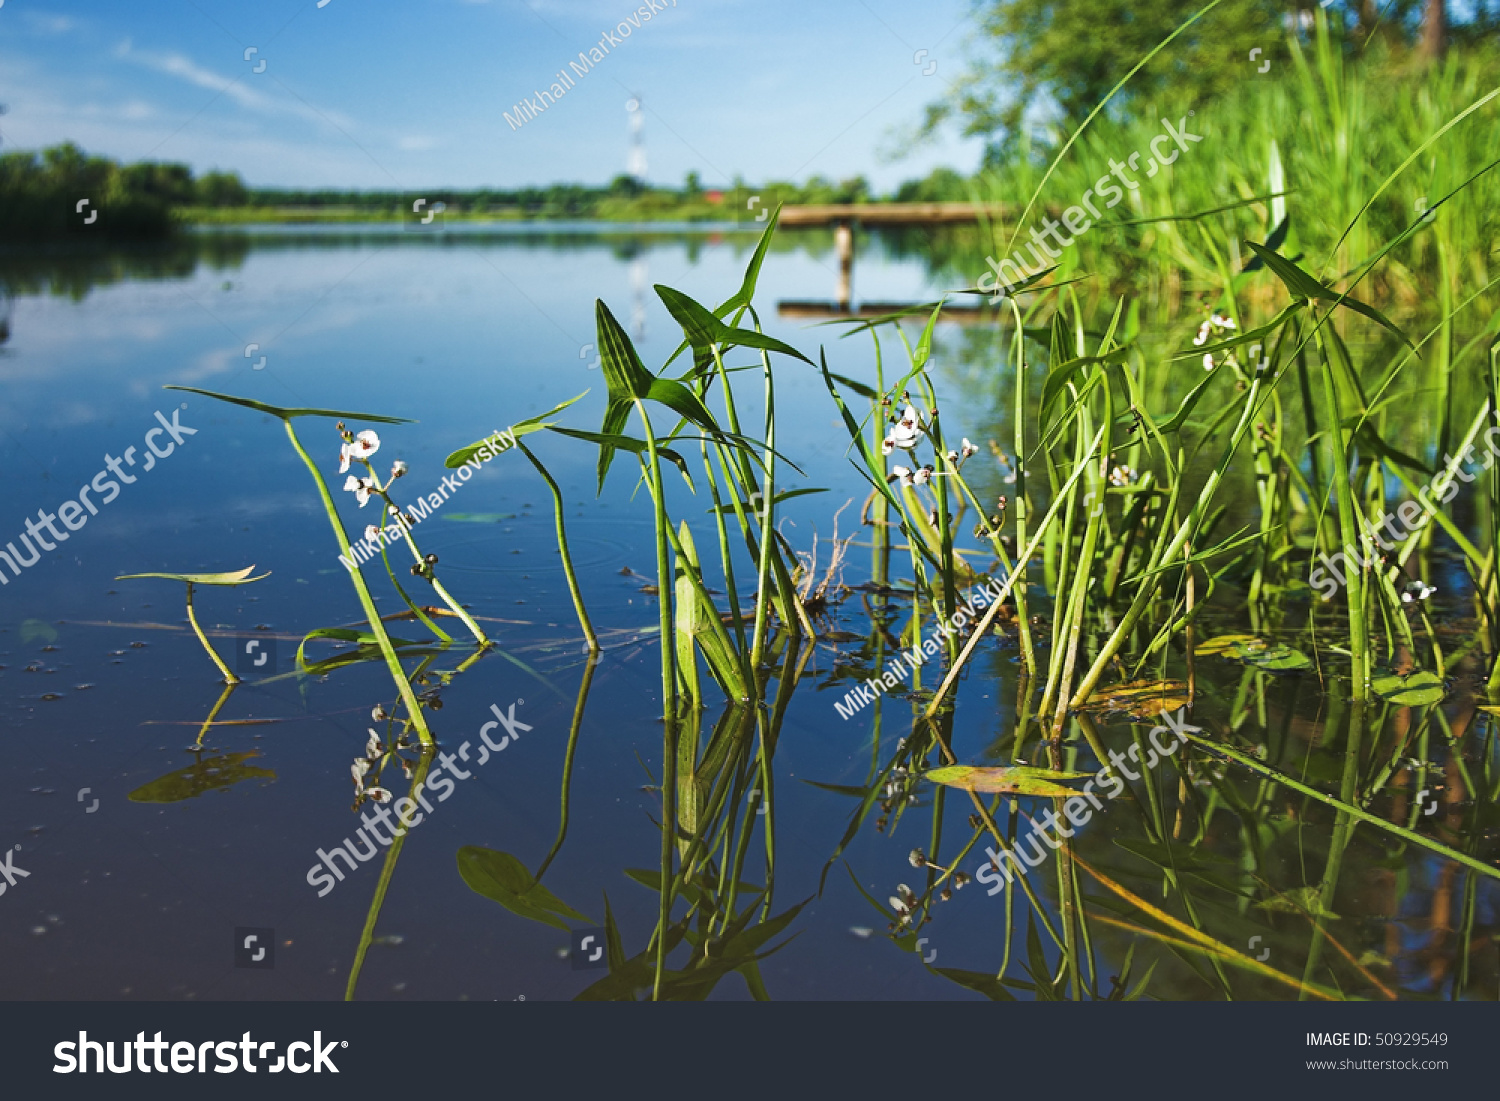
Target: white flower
[(887, 445), (897, 905), (921, 477), (372, 532), (380, 795), (900, 473), (957, 457), (372, 747), (360, 487), (398, 468), (1122, 476), (908, 430), (1208, 362), (361, 447), (1417, 591), (1219, 321), (358, 770), (1202, 337)]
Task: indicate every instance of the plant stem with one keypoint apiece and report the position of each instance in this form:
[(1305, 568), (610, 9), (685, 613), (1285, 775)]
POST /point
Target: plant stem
[(563, 552), (229, 678), (366, 601)]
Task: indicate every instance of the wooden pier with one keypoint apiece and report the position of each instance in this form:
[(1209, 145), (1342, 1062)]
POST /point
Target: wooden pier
[(843, 216)]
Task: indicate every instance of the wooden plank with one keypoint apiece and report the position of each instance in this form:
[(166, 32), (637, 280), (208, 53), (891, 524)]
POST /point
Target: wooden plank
[(893, 213), (803, 310)]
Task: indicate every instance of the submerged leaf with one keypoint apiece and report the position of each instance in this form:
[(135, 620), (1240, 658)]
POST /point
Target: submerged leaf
[(1299, 900), (1416, 690), (1016, 780)]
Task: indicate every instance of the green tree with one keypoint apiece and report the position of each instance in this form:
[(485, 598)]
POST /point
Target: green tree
[(1063, 56), (220, 189)]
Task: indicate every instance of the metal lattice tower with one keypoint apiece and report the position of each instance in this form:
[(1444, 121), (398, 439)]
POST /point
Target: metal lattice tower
[(635, 164)]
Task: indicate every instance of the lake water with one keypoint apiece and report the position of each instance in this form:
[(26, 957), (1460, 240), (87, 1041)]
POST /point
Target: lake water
[(104, 690)]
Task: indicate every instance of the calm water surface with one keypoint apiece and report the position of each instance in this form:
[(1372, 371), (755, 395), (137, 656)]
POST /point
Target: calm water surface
[(103, 690)]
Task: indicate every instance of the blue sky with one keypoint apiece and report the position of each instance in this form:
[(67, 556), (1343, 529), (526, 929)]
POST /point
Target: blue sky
[(405, 94)]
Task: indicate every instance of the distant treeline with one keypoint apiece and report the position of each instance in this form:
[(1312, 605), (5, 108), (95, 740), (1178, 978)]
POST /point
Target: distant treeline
[(624, 192), (61, 192)]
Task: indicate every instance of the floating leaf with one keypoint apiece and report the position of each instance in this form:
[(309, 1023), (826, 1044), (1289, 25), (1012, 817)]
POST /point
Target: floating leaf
[(208, 774), (1271, 657), (1016, 780), (1415, 690), (237, 577), (504, 879), (1142, 699), (1223, 643)]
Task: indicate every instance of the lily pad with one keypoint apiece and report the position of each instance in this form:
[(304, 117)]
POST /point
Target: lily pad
[(504, 879), (1016, 780), (1141, 699), (1416, 690)]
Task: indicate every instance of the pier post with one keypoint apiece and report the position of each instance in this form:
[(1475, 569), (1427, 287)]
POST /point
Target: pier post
[(843, 243)]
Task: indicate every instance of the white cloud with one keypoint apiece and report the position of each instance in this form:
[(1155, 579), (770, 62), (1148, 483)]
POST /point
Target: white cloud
[(49, 24), (246, 96)]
